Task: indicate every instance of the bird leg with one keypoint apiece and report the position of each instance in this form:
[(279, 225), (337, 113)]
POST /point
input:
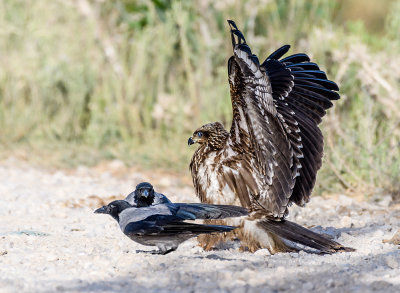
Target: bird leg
[(209, 241), (146, 251), (158, 251), (164, 252), (247, 243)]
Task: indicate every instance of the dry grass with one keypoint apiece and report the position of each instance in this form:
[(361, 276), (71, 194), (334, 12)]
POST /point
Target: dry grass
[(87, 80)]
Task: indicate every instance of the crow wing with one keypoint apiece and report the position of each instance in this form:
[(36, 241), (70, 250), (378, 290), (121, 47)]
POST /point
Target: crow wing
[(170, 225), (192, 211)]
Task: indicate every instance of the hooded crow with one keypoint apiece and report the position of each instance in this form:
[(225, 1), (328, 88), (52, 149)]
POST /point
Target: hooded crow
[(163, 225), (144, 195)]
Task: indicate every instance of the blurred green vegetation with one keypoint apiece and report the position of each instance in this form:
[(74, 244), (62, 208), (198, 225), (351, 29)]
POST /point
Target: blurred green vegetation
[(84, 80)]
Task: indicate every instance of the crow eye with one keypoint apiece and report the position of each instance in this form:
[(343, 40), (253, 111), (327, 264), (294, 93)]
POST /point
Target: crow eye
[(199, 134)]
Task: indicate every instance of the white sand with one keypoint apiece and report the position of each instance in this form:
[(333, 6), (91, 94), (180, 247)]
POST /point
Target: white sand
[(67, 248)]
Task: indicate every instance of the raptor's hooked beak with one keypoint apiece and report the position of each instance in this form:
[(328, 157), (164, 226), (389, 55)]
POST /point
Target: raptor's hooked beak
[(191, 141), (102, 210)]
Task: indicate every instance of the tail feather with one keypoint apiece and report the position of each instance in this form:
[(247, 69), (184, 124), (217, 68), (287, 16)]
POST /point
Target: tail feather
[(219, 228), (298, 234), (184, 227)]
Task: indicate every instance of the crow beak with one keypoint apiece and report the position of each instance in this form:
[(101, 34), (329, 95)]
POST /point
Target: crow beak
[(190, 141), (102, 210), (145, 193)]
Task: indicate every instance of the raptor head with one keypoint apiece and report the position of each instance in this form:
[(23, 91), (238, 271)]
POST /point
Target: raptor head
[(114, 208), (212, 135)]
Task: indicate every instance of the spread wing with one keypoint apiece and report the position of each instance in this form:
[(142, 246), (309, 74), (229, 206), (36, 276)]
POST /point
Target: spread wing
[(302, 94), (257, 129), (279, 105)]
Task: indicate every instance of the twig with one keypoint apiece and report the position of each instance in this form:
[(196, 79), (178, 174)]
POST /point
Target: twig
[(344, 183)]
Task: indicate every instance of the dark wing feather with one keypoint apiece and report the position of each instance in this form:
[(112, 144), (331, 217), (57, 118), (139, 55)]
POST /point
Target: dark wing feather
[(255, 116), (302, 105), (151, 225), (192, 211), (174, 228), (170, 225)]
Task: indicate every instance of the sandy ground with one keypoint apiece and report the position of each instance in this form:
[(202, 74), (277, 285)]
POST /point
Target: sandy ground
[(50, 241)]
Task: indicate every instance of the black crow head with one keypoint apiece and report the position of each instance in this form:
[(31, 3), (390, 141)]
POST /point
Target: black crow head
[(114, 208), (144, 194)]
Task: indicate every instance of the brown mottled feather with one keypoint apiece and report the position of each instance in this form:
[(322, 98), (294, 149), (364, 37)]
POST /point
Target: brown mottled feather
[(271, 155)]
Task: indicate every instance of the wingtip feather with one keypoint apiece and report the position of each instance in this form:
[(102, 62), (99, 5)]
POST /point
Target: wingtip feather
[(232, 24)]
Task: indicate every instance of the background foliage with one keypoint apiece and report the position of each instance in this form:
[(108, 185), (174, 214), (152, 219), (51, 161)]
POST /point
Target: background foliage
[(82, 80)]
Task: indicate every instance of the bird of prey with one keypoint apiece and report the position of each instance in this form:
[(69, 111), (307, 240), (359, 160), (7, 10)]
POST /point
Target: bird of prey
[(270, 157), (163, 224)]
